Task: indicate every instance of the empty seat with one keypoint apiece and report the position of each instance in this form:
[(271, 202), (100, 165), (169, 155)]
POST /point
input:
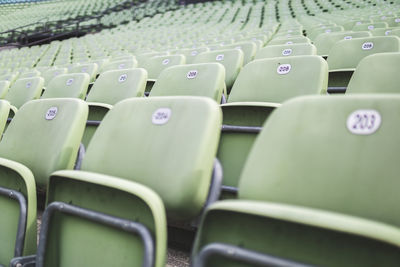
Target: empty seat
[(289, 40), (190, 54), (89, 68), (286, 50), (43, 137), (377, 73), (48, 75), (206, 79), (111, 87), (309, 192), (345, 55), (73, 85), (248, 48), (325, 41), (261, 87), (24, 90), (150, 142), (155, 65), (369, 26), (121, 64), (231, 59)]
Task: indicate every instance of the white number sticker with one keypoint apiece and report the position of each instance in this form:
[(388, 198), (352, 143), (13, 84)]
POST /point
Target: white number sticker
[(84, 69), (121, 66), (367, 46), (287, 52), (290, 31), (56, 73), (28, 84), (283, 69), (388, 32), (397, 20), (194, 53), (290, 42), (191, 74), (349, 37), (371, 27), (364, 121), (122, 78), (69, 81), (161, 116), (165, 61), (358, 23), (220, 57), (51, 113), (328, 31)]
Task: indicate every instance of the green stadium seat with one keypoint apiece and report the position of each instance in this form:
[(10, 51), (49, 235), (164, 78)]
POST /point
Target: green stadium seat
[(289, 40), (24, 90), (309, 192), (190, 54), (248, 48), (205, 79), (260, 88), (376, 73), (155, 65), (119, 65), (231, 59), (301, 49), (145, 152), (74, 85), (43, 137), (110, 88), (369, 26), (345, 55), (325, 41), (89, 68), (29, 74), (49, 74)]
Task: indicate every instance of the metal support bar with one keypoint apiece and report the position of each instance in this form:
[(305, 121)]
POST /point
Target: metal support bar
[(118, 223), (240, 129), (79, 158), (92, 123), (337, 89), (18, 196), (243, 255), (230, 189)]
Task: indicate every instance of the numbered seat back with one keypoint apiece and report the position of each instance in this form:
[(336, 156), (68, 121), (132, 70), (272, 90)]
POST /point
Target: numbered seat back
[(74, 85), (278, 79), (24, 90), (207, 79), (376, 74), (155, 65), (120, 64), (271, 51), (49, 74), (231, 59), (4, 87), (90, 68), (289, 40)]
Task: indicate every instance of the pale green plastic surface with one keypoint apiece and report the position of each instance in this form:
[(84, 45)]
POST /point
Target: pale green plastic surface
[(369, 26), (155, 65), (301, 49), (51, 73), (190, 54), (378, 73), (174, 81), (17, 177), (232, 61), (119, 65), (24, 90), (162, 157), (248, 48), (45, 146), (89, 68), (4, 87), (68, 237), (109, 89), (346, 54), (259, 80), (309, 190), (289, 40), (317, 31), (325, 41), (5, 109), (29, 74), (73, 85)]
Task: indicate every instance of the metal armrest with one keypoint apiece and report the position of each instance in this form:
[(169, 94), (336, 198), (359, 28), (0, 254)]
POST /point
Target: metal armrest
[(27, 261), (20, 239), (121, 224), (243, 255)]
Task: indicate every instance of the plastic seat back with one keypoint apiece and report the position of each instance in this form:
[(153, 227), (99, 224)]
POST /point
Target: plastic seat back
[(232, 59), (74, 85), (4, 87), (48, 75), (119, 65), (207, 79), (376, 74), (89, 68), (150, 141), (271, 51), (55, 129), (278, 79), (24, 90)]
